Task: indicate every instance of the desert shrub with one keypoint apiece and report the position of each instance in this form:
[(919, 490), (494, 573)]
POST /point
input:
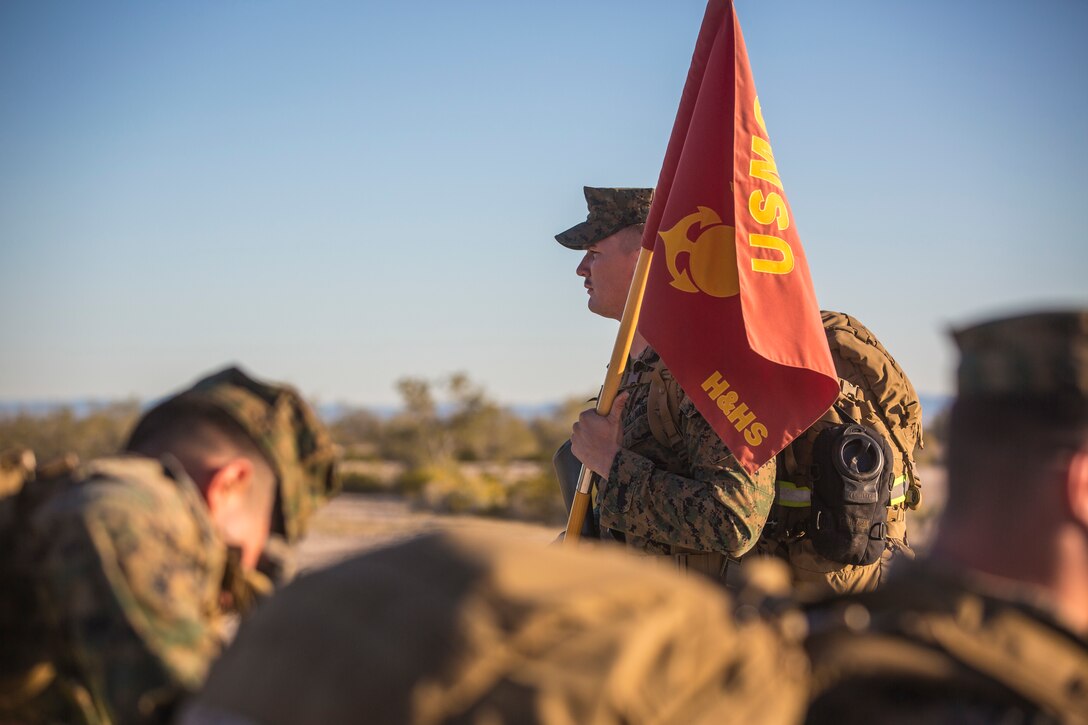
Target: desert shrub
[(362, 482), (450, 490), (101, 431), (537, 498)]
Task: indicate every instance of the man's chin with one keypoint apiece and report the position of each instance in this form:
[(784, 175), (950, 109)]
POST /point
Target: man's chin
[(597, 310)]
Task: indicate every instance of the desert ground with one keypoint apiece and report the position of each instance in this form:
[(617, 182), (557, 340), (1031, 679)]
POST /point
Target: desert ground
[(353, 523)]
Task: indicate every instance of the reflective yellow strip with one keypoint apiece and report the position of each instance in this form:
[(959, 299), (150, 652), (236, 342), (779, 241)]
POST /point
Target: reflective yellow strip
[(899, 491), (793, 496)]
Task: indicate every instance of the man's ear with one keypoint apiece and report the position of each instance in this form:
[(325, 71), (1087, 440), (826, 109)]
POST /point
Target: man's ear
[(229, 485), (1076, 486)]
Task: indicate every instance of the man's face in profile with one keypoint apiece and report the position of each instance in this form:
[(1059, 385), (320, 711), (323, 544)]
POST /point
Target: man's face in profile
[(607, 268)]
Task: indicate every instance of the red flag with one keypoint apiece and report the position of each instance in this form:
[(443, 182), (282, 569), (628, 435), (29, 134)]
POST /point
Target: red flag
[(729, 303)]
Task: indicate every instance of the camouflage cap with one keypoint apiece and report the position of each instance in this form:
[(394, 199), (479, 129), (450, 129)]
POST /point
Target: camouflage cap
[(610, 210), (284, 428), (1042, 354)]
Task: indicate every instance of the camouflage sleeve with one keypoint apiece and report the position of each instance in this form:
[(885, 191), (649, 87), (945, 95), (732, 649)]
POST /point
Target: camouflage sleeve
[(129, 591), (720, 507)]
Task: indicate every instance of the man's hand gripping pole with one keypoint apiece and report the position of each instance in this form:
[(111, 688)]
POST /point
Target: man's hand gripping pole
[(611, 387)]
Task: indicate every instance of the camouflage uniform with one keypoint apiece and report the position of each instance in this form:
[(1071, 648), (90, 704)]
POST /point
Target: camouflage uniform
[(694, 498), (123, 584), (455, 628), (128, 570), (940, 643)]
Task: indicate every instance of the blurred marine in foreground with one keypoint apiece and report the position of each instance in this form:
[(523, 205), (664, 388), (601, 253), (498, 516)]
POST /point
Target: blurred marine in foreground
[(992, 626), (119, 575), (454, 628)]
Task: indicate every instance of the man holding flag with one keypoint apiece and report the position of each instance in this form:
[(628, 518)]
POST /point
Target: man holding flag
[(685, 495), (728, 311)]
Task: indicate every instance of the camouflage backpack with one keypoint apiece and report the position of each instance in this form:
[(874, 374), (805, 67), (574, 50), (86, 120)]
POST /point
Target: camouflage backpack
[(875, 393), (30, 687)]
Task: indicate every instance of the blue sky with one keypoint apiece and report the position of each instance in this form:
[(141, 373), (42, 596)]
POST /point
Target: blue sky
[(341, 194)]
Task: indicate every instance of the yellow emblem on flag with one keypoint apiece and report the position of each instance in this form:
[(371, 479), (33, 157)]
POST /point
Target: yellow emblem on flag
[(711, 259)]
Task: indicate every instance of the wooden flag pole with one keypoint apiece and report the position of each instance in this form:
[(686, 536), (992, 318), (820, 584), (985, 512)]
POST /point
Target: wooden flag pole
[(611, 387)]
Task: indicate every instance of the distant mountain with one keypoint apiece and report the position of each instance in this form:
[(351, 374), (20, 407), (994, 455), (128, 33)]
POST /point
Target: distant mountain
[(79, 407), (528, 411), (932, 405), (334, 411)]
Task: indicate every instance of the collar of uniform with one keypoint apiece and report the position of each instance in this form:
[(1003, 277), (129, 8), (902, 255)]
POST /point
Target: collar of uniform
[(955, 581), (646, 360)]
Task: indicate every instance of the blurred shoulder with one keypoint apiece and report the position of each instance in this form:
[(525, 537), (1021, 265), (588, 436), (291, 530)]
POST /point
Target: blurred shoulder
[(940, 644), (127, 497), (127, 481)]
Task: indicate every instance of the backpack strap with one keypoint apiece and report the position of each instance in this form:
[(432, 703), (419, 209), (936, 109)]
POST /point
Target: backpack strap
[(663, 407)]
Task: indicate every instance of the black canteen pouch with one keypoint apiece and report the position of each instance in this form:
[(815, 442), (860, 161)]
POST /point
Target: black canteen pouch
[(851, 490)]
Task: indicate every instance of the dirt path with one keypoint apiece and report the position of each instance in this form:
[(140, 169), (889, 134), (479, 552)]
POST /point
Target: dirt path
[(353, 523)]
